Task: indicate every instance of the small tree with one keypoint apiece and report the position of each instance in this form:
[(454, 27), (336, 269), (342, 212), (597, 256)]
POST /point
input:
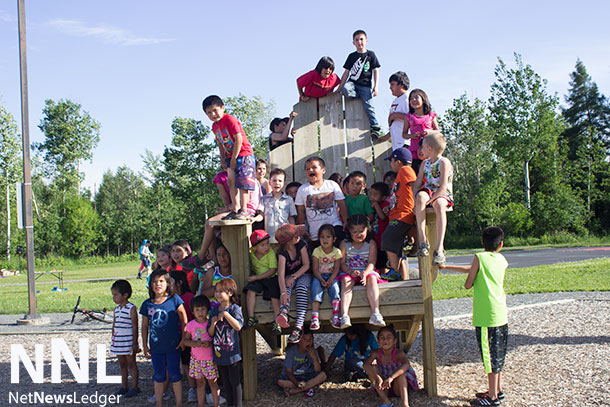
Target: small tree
[(255, 117)]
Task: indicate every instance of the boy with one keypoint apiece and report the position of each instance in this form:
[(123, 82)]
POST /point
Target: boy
[(236, 155), (320, 201), (361, 67), (263, 263), (278, 208), (433, 188), (486, 275), (357, 202), (399, 85), (292, 188), (400, 211), (302, 370)]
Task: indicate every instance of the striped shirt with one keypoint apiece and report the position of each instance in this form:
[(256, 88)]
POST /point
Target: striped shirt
[(122, 334)]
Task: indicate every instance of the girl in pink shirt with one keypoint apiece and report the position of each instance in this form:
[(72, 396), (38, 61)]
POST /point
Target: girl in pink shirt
[(418, 122)]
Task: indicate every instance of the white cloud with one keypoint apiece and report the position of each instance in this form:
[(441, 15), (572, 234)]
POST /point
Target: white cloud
[(106, 33)]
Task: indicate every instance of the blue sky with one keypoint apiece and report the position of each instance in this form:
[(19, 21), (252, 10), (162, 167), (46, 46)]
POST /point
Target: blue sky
[(135, 65)]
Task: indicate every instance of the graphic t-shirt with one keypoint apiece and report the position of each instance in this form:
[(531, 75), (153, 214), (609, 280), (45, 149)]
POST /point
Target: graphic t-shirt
[(353, 349), (199, 332), (360, 66), (293, 264), (357, 258), (164, 325), (401, 200), (262, 265), (399, 105), (299, 363), (225, 130), (226, 339), (326, 261), (360, 205), (417, 124), (316, 86), (320, 205)]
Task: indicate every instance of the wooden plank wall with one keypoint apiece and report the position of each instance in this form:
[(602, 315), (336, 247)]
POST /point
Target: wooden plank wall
[(306, 137), (281, 157), (358, 137), (332, 134)]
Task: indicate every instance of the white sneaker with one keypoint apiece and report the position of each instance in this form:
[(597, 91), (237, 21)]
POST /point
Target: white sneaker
[(345, 321), (192, 395), (209, 400), (376, 319)]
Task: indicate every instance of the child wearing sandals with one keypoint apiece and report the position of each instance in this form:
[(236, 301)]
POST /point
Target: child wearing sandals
[(293, 274), (392, 374), (326, 262), (302, 369), (358, 266)]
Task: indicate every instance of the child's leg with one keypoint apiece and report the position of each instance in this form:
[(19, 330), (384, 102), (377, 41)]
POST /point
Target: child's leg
[(372, 292), (250, 302), (224, 195), (366, 94), (320, 377), (399, 385), (420, 215), (124, 372), (201, 393), (175, 377), (226, 384), (177, 387), (215, 390), (302, 298), (334, 294), (493, 380), (235, 383), (275, 305), (440, 209), (233, 192), (315, 306), (347, 284), (376, 380), (135, 373), (317, 294), (159, 393), (244, 198)]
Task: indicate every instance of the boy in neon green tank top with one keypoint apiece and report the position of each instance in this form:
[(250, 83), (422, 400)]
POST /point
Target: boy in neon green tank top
[(486, 275)]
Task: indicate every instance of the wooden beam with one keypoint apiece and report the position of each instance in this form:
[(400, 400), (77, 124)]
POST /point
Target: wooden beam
[(332, 134)]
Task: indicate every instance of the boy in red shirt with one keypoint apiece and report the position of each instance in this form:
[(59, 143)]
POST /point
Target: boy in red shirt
[(236, 156), (400, 210)]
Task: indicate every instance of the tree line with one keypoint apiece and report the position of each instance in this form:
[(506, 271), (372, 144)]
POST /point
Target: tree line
[(522, 161)]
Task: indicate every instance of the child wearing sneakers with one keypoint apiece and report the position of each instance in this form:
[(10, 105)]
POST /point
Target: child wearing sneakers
[(326, 262), (361, 68), (434, 189), (236, 155), (263, 263), (489, 315)]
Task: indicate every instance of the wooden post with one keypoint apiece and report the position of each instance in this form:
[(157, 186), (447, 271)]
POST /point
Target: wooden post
[(428, 342), (235, 237)]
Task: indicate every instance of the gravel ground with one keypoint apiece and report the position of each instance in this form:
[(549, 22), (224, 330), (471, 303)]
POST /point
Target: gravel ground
[(559, 355)]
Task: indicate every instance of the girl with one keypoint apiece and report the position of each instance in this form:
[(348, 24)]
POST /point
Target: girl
[(326, 261), (219, 272), (392, 374), (163, 321), (125, 337), (356, 345), (418, 122), (183, 259), (318, 82), (163, 262), (358, 266), (292, 272), (261, 171), (224, 325), (201, 367)]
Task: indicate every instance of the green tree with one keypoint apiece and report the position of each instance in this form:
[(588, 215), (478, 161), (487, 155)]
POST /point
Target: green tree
[(255, 117), (10, 166), (70, 136), (80, 227)]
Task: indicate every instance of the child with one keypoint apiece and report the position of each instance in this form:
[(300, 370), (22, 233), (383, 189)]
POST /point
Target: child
[(318, 82), (224, 325), (236, 155), (326, 262), (293, 273), (219, 272), (393, 374), (320, 201), (261, 171), (292, 188), (359, 257), (280, 131), (486, 275), (399, 85), (263, 263), (418, 122), (302, 370), (338, 178), (360, 67), (434, 188), (401, 210), (125, 337), (278, 208), (379, 202), (163, 321), (355, 345), (201, 366), (357, 202), (184, 260), (145, 256), (389, 177)]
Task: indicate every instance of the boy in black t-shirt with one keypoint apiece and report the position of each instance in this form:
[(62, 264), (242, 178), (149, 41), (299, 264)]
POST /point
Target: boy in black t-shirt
[(360, 68)]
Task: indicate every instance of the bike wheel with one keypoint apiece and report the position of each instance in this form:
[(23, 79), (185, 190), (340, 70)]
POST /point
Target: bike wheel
[(100, 316), (75, 310)]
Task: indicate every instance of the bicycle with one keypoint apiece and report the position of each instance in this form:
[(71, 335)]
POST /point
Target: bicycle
[(90, 314)]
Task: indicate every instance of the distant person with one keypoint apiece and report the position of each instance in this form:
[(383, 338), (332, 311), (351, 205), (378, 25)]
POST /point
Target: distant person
[(145, 256), (318, 82), (489, 314)]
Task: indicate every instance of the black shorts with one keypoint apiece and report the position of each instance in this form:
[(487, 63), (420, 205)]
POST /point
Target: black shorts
[(268, 286), (394, 235), (492, 345), (185, 356)]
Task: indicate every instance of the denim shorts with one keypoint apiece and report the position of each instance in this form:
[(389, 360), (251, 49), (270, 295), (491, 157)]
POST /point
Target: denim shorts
[(317, 291)]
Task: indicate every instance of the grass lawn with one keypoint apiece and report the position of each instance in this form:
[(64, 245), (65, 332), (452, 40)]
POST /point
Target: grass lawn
[(590, 275)]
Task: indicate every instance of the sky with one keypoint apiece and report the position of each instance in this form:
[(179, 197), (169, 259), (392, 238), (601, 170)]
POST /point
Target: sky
[(135, 65)]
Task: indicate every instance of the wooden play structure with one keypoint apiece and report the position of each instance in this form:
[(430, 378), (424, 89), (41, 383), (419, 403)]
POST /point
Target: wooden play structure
[(337, 130)]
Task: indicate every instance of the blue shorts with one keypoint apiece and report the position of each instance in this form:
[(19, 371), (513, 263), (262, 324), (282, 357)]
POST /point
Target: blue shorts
[(166, 363), (245, 172)]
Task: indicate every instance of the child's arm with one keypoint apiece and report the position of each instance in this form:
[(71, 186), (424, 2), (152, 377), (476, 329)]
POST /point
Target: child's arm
[(134, 327), (223, 156), (183, 321), (376, 379), (267, 274), (212, 328), (239, 139), (376, 80), (395, 116), (472, 271), (370, 267), (301, 93), (446, 168), (281, 279), (405, 129), (335, 273), (188, 341), (344, 267), (145, 327), (419, 181), (342, 210), (231, 320), (300, 214), (316, 362), (343, 80), (315, 267), (377, 208), (206, 288)]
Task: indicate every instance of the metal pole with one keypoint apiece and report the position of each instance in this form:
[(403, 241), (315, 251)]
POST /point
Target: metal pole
[(27, 171)]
